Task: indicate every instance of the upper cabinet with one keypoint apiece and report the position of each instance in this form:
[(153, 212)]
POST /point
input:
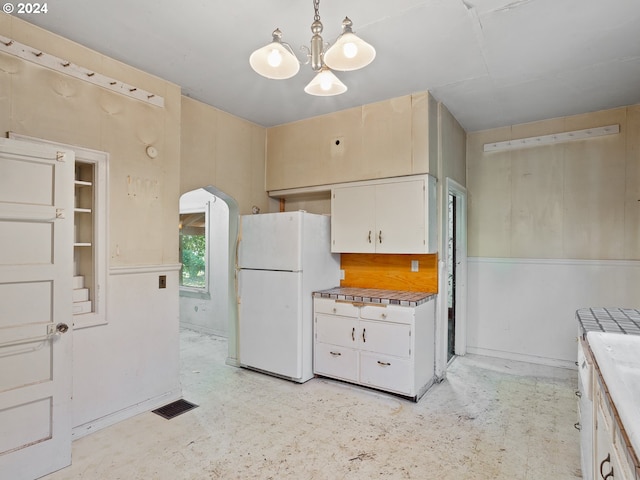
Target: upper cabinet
[(393, 216), (390, 138)]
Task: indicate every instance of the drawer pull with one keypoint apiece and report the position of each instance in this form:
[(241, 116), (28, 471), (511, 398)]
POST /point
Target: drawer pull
[(384, 364), (353, 334), (602, 474), (384, 315), (369, 236), (335, 354), (364, 335), (380, 236), (335, 309)]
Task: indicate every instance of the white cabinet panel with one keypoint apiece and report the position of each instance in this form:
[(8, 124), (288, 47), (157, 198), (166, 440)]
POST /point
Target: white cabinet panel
[(386, 338), (336, 362), (336, 330), (395, 216), (388, 373), (353, 220), (365, 349)]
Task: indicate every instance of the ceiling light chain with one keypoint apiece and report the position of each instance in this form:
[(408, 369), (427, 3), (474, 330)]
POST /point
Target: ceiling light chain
[(349, 52)]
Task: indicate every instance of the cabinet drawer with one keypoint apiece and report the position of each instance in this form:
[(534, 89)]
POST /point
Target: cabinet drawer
[(336, 330), (334, 361), (390, 313), (585, 370), (385, 338), (387, 373), (331, 307)]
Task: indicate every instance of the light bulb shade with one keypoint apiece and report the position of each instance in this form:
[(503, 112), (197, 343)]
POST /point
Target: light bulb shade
[(325, 84), (349, 52), (274, 61)]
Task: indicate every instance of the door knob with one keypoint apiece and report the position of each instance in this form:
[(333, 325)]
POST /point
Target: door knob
[(62, 328)]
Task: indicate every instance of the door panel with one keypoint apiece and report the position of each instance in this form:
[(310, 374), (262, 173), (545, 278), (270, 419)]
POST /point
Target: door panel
[(400, 229), (270, 321), (353, 219), (36, 258)]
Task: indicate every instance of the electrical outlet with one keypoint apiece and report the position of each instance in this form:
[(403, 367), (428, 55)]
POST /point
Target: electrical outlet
[(341, 274), (162, 281), (414, 265)]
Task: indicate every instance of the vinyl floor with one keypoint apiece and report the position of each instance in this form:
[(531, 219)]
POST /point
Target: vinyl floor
[(489, 419)]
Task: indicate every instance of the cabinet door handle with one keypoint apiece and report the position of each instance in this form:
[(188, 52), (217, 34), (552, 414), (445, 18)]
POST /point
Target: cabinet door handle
[(577, 426), (364, 335), (353, 334), (335, 354), (383, 364), (602, 474), (380, 236), (578, 394), (384, 315), (335, 310), (369, 236)]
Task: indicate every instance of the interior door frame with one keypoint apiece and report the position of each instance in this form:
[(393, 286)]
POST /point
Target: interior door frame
[(460, 347)]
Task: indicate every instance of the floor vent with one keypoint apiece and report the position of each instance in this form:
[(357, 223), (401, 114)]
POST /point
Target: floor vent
[(174, 409)]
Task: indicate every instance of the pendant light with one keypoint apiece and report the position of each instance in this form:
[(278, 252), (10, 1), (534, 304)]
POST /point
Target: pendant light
[(277, 60)]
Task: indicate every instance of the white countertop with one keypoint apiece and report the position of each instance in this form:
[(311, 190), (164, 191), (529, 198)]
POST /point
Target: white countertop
[(618, 357)]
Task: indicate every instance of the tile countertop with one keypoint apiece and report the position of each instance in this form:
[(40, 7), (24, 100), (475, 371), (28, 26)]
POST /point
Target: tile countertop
[(613, 320), (618, 358), (384, 297)]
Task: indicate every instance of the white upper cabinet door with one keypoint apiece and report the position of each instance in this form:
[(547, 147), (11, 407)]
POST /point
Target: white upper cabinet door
[(395, 216), (401, 217), (353, 219), (36, 262)]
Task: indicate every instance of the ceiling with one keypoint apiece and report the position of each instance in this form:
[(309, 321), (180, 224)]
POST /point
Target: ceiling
[(491, 62)]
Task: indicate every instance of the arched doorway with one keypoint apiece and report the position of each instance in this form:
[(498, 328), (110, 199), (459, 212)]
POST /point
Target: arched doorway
[(208, 292)]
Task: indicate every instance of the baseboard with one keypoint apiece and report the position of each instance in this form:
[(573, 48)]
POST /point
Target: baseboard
[(116, 417), (519, 357), (201, 329)]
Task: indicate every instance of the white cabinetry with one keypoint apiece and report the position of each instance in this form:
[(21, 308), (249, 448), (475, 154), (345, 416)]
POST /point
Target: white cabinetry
[(385, 347), (391, 216), (609, 448)]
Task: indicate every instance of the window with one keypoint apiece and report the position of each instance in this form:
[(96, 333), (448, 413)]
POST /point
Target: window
[(194, 273)]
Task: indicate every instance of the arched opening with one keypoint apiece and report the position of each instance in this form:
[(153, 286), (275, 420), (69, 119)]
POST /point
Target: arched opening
[(208, 234)]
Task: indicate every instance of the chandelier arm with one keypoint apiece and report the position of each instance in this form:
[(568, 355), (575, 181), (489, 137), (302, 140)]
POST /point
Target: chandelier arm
[(307, 54), (288, 47)]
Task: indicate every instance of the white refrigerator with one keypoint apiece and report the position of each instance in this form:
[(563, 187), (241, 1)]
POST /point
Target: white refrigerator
[(282, 259)]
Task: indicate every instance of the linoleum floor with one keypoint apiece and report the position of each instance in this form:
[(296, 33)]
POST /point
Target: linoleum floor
[(490, 419)]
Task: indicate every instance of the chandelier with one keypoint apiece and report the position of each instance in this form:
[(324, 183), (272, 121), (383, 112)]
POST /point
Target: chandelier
[(349, 52)]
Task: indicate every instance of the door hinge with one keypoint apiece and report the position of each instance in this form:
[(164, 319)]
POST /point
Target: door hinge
[(60, 213), (61, 156)]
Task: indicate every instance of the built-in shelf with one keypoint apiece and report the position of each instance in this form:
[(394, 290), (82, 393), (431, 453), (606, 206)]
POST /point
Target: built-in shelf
[(90, 232)]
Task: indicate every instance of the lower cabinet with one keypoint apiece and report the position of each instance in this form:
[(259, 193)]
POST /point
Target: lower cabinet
[(604, 448), (388, 347)]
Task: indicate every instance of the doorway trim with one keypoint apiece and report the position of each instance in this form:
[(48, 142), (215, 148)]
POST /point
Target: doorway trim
[(460, 193), (234, 217)]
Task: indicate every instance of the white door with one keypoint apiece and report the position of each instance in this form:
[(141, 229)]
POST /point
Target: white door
[(36, 260), (401, 217), (271, 241), (270, 317), (353, 219)]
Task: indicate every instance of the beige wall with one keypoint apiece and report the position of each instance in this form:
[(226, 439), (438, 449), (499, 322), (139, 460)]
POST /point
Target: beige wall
[(43, 103), (226, 152), (574, 200), (452, 141)]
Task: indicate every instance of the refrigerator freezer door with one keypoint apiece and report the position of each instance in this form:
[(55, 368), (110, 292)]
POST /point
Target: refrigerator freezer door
[(271, 241), (270, 318)]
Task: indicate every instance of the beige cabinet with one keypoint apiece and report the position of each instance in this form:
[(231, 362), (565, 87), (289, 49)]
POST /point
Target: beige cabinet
[(387, 347), (391, 216), (385, 139)]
